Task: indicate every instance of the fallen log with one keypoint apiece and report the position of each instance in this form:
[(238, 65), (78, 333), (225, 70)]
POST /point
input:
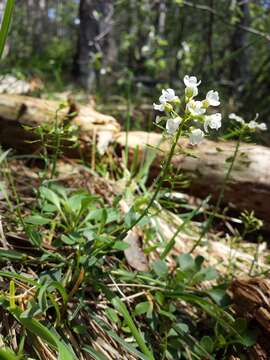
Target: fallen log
[(249, 183), (17, 111)]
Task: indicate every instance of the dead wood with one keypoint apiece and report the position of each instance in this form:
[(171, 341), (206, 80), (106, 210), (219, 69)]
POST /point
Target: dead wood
[(251, 300), (16, 111), (249, 183)]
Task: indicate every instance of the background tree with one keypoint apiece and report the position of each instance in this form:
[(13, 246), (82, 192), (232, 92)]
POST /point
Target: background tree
[(94, 30), (106, 43)]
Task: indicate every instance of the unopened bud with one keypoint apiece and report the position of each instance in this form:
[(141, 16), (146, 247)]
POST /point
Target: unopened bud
[(168, 107)]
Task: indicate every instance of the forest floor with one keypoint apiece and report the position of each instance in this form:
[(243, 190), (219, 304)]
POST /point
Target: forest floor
[(79, 281)]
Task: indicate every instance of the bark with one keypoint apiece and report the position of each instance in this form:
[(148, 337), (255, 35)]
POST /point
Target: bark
[(239, 67), (16, 111), (95, 26), (247, 188), (249, 184), (251, 301)]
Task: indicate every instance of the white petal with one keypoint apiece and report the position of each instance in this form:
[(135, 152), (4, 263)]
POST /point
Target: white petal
[(162, 99), (237, 118), (170, 95), (172, 125), (191, 81), (213, 98), (262, 126), (195, 108), (252, 124), (213, 121), (196, 136), (158, 107)]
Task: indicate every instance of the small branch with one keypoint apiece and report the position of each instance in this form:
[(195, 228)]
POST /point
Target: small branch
[(223, 19)]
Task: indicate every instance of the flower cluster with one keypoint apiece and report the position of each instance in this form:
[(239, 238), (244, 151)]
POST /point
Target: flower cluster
[(192, 110), (252, 125)]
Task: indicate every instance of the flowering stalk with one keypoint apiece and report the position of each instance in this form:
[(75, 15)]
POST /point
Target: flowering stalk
[(177, 124), (161, 176), (242, 130)]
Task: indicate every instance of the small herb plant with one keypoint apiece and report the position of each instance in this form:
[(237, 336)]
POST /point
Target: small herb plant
[(71, 287)]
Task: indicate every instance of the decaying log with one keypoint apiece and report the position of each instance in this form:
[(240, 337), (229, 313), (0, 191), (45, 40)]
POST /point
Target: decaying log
[(249, 183), (251, 299), (17, 111)]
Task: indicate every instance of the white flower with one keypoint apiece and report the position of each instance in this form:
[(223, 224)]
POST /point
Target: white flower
[(191, 92), (191, 81), (172, 125), (196, 107), (256, 126), (252, 124), (262, 126), (191, 86), (212, 98), (196, 136), (168, 95), (159, 107), (237, 118), (213, 121)]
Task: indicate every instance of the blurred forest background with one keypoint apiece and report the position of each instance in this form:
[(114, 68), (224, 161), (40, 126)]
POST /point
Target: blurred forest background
[(134, 48)]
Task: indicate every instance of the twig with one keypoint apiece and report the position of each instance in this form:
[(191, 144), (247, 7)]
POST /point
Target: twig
[(223, 19)]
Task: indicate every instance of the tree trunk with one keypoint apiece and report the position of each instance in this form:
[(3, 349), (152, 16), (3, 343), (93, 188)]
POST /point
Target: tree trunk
[(239, 67), (95, 26)]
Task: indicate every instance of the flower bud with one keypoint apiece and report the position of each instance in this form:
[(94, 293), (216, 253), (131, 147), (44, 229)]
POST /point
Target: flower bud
[(177, 101), (168, 107), (205, 104)]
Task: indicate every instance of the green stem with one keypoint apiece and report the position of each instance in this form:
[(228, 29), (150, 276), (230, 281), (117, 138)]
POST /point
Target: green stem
[(5, 24), (220, 198), (57, 145), (160, 178)]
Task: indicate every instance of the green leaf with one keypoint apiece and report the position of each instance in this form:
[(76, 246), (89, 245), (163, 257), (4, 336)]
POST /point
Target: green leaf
[(182, 328), (35, 327), (12, 255), (142, 308), (69, 240), (96, 355), (120, 245), (112, 315), (248, 338), (186, 261), (160, 268), (219, 295), (50, 196), (34, 236), (207, 343), (129, 347), (167, 314), (3, 155), (7, 354), (121, 307), (37, 220), (5, 24)]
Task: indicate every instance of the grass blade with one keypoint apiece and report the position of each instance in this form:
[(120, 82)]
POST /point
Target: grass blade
[(121, 307), (5, 24)]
